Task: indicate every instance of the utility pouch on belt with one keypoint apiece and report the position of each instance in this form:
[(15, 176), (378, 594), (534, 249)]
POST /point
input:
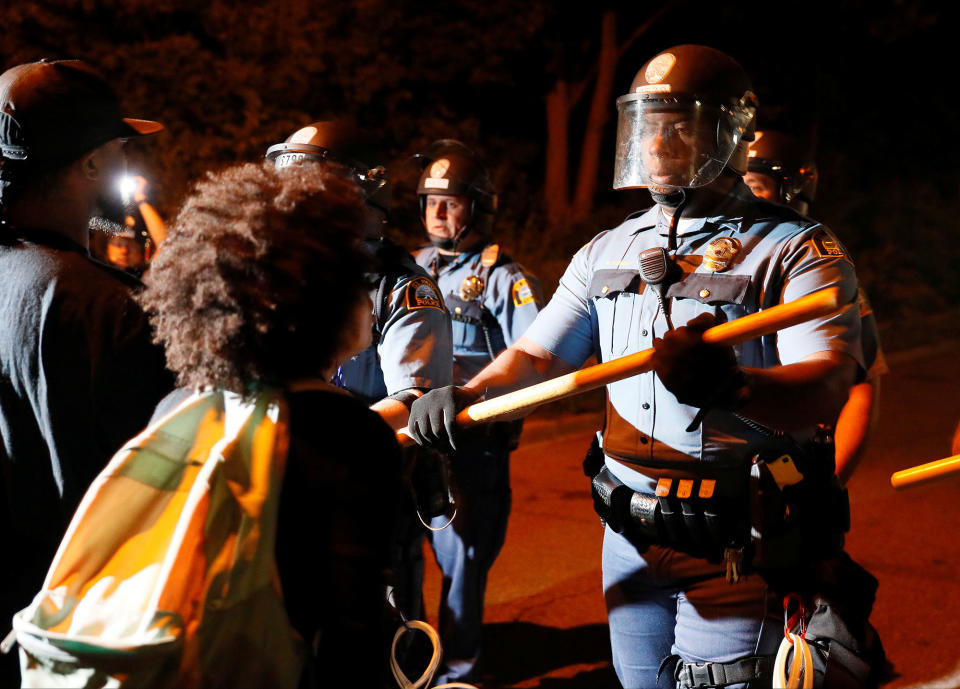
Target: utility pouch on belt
[(683, 514), (611, 500), (671, 514), (799, 511), (594, 459)]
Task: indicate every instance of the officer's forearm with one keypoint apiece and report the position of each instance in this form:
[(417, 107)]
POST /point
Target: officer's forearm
[(800, 395), (523, 363), (856, 421)]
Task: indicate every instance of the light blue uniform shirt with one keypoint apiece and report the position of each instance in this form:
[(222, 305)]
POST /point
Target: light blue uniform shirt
[(414, 350), (507, 304), (602, 307)]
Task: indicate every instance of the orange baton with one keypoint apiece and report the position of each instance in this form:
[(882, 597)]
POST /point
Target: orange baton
[(751, 326)]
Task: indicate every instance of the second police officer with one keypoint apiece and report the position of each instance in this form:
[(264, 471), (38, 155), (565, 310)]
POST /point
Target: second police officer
[(780, 169), (411, 350), (679, 443), (492, 300)]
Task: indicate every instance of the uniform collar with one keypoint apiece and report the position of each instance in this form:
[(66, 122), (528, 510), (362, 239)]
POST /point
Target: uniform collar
[(457, 261), (730, 217)]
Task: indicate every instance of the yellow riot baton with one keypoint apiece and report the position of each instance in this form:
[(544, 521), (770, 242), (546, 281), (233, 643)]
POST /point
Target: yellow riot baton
[(925, 473)]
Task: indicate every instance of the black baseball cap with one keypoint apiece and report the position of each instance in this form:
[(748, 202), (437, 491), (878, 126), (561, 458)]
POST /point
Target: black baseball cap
[(54, 111)]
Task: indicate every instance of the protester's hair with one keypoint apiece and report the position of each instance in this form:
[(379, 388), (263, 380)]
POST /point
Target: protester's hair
[(259, 273)]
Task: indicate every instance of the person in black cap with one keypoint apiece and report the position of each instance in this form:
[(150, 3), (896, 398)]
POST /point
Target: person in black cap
[(80, 374)]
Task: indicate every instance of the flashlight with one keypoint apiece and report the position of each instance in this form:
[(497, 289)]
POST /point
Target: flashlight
[(129, 185)]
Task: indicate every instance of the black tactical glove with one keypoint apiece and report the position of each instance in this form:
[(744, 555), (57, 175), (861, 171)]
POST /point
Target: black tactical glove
[(433, 417), (697, 373)]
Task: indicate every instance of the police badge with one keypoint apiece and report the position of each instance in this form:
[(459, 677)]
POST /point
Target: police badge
[(720, 253), (472, 288)]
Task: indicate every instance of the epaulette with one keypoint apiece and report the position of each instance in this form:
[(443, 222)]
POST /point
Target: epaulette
[(490, 255)]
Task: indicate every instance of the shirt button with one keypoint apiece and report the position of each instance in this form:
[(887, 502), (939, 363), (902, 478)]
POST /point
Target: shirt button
[(645, 405), (704, 293), (643, 439), (644, 332)]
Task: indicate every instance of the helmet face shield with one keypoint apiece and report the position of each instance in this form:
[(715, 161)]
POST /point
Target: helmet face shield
[(671, 141)]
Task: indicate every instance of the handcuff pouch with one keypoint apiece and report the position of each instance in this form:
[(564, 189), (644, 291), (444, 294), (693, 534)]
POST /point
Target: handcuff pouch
[(799, 511)]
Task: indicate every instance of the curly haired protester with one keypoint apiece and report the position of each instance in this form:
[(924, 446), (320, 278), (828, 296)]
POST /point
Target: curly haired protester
[(261, 283)]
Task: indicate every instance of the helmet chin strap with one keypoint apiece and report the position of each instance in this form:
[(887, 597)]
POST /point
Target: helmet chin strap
[(445, 243), (673, 198), (452, 244)]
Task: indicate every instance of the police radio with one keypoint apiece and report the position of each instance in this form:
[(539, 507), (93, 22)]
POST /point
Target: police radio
[(655, 269)]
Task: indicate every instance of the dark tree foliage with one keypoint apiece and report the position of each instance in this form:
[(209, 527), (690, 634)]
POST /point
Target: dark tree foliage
[(861, 78)]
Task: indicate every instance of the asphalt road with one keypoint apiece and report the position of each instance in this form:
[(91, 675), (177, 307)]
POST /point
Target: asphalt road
[(545, 618)]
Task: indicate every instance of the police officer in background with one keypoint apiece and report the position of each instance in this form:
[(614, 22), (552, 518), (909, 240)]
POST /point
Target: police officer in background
[(680, 575), (126, 250), (411, 349), (780, 169), (492, 300)]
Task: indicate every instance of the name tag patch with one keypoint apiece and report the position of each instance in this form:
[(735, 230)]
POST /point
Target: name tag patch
[(420, 293)]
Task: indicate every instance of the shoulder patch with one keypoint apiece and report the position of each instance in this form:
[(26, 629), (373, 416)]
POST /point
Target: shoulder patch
[(421, 293), (490, 255), (522, 292), (827, 245)]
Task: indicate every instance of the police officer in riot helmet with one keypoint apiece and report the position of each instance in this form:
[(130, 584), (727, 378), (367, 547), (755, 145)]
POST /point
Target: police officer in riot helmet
[(341, 142), (492, 299), (457, 199), (779, 169), (127, 250), (688, 562), (412, 349), (690, 144)]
